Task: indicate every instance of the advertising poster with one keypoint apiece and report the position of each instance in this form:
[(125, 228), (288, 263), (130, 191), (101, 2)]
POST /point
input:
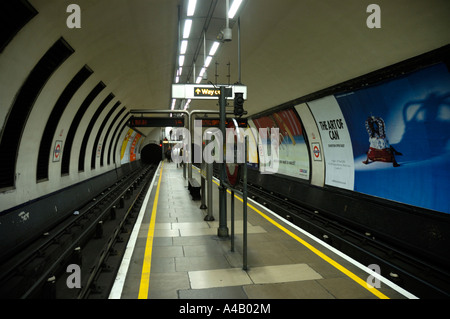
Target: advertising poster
[(126, 146), (267, 159), (291, 157), (400, 132), (337, 147), (252, 145), (133, 147), (125, 143)]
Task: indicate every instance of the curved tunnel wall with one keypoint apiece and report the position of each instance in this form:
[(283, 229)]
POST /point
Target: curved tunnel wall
[(60, 123), (45, 137)]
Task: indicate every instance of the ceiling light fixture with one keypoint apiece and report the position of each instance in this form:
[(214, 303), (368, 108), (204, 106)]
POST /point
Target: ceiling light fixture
[(234, 8), (183, 48), (191, 8), (208, 61), (187, 28), (181, 60), (186, 106), (214, 48)]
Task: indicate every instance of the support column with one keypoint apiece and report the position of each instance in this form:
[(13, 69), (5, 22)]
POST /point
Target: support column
[(223, 228)]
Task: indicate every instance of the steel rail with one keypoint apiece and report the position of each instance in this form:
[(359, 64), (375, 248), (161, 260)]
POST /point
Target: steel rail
[(80, 237)]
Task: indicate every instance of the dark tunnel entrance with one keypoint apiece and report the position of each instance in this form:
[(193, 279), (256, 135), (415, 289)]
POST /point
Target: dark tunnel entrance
[(151, 154)]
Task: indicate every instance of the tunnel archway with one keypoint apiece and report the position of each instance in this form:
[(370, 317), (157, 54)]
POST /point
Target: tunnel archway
[(151, 154)]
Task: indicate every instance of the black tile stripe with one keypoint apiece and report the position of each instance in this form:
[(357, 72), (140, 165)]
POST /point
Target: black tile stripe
[(107, 134), (90, 127), (14, 15), (67, 147), (99, 133), (53, 120), (112, 139), (22, 106)]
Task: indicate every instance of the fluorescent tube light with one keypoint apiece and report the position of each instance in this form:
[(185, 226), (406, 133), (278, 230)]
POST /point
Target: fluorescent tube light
[(187, 28), (191, 8), (234, 8), (183, 48), (181, 61), (208, 61), (203, 70), (187, 104), (214, 48), (199, 80)]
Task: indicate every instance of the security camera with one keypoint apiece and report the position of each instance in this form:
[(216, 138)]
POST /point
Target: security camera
[(225, 35)]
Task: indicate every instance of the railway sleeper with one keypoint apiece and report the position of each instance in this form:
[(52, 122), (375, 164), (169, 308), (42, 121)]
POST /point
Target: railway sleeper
[(54, 256)]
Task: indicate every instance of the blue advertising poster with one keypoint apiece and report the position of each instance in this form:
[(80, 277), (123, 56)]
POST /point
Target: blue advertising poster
[(400, 133)]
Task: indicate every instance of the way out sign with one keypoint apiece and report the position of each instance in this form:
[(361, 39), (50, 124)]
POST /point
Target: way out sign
[(57, 151), (204, 92)]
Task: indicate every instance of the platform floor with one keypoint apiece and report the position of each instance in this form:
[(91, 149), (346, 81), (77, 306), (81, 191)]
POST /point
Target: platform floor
[(175, 254)]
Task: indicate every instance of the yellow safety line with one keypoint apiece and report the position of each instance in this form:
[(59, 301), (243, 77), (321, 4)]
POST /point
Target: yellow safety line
[(322, 255), (335, 264), (145, 277)]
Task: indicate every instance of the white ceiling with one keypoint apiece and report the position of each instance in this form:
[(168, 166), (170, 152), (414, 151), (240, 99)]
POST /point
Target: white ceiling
[(290, 48)]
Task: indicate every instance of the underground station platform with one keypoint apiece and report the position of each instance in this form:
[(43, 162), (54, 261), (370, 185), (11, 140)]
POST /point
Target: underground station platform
[(175, 252)]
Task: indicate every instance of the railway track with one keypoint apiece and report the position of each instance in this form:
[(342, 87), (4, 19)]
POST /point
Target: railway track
[(70, 259)]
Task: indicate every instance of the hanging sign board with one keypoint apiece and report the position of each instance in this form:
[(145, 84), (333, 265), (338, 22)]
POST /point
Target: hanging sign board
[(205, 92), (156, 122), (215, 122)]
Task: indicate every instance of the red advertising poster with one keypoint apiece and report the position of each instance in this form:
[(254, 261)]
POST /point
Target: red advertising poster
[(133, 146), (290, 156)]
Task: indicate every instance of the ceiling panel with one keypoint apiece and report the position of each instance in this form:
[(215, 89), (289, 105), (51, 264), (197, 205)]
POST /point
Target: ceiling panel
[(290, 48)]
